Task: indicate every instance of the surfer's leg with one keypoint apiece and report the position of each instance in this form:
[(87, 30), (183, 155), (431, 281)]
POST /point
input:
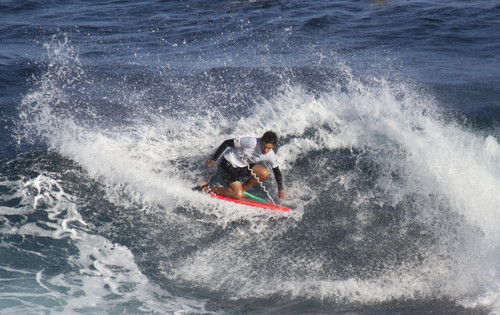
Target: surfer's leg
[(261, 172), (234, 190)]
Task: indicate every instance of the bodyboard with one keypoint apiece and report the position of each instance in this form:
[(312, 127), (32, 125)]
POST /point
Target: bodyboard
[(252, 203)]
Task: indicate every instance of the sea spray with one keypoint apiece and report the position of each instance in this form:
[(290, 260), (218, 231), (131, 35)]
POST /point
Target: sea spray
[(395, 202)]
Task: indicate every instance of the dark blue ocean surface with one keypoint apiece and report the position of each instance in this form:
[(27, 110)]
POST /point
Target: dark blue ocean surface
[(388, 116)]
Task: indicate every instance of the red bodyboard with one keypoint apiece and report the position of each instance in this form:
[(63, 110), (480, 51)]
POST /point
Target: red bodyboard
[(252, 203)]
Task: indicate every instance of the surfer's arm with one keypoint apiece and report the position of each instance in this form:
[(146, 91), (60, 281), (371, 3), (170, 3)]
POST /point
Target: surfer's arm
[(279, 180), (226, 144)]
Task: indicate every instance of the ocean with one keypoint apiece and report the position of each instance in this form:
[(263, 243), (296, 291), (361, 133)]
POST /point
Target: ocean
[(388, 117)]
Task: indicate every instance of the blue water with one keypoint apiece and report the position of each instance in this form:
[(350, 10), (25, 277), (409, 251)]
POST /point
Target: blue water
[(388, 114)]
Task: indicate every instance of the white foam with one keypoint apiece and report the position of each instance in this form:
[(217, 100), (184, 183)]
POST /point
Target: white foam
[(151, 162), (108, 270), (435, 158), (105, 276)]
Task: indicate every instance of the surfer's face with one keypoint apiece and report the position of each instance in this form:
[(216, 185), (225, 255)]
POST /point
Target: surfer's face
[(266, 147)]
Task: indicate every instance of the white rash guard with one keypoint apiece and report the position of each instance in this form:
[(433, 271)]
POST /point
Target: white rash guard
[(246, 151)]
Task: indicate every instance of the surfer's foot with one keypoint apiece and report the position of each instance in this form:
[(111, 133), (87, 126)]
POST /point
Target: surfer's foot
[(202, 188)]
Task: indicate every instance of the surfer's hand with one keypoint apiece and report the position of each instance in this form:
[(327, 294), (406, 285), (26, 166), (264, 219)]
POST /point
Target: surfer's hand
[(281, 194), (209, 163)]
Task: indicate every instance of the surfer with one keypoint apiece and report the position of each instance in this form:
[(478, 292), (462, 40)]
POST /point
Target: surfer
[(240, 160)]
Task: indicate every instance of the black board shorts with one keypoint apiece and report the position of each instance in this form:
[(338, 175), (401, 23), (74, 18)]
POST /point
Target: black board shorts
[(231, 174)]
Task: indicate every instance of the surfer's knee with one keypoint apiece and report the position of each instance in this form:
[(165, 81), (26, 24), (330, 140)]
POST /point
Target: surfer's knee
[(238, 194), (261, 172), (264, 174)]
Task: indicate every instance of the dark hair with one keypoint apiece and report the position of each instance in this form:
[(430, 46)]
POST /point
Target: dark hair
[(270, 137)]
